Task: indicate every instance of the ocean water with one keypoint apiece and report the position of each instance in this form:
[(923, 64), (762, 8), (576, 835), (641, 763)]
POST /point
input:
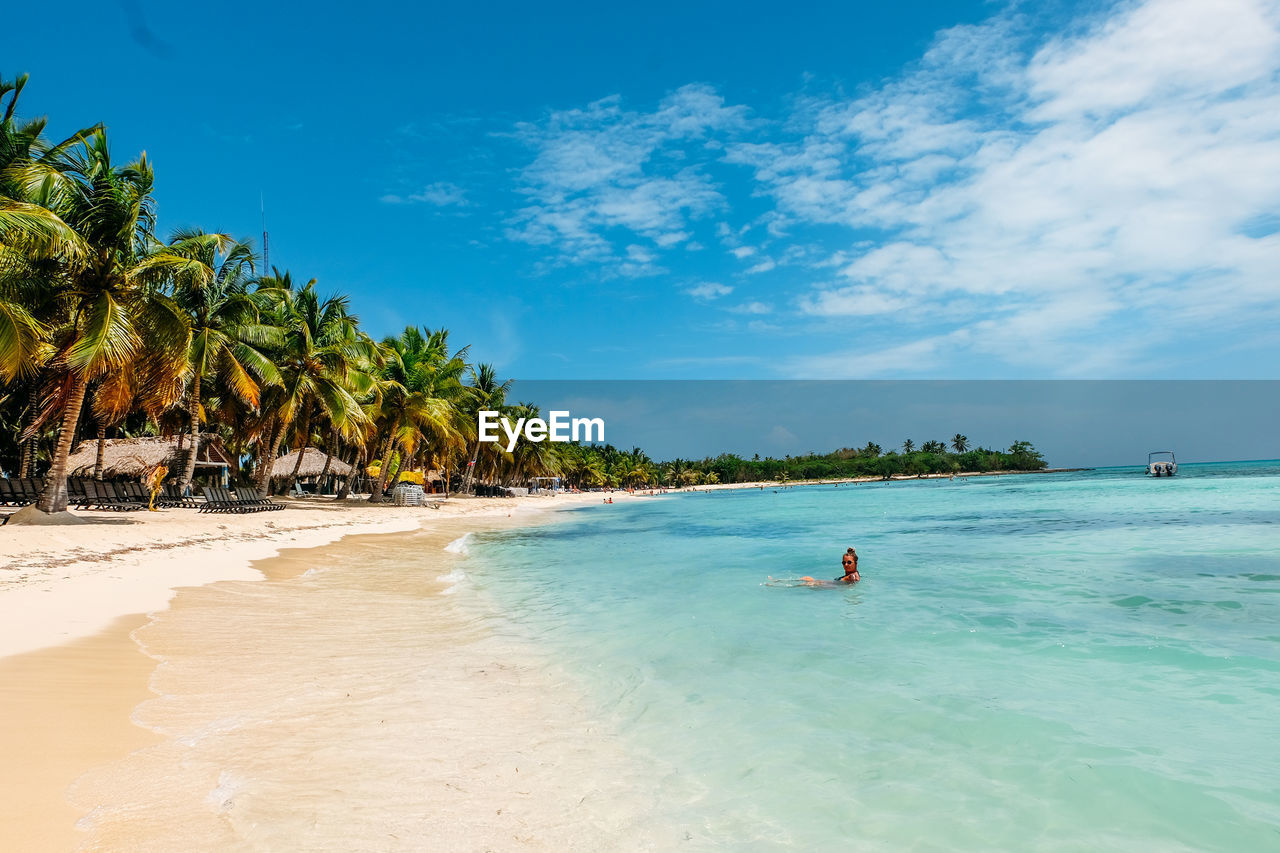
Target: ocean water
[(1078, 661)]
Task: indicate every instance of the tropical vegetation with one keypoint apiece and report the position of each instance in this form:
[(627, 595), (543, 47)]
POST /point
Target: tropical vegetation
[(108, 328)]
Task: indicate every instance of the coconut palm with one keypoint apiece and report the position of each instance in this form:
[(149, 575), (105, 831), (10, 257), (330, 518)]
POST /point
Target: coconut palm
[(228, 338), (110, 313), (487, 394), (908, 446), (319, 359), (960, 442), (421, 391), (31, 236)]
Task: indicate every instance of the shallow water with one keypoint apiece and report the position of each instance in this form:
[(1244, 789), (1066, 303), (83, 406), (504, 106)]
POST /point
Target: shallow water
[(1066, 662), (350, 703)]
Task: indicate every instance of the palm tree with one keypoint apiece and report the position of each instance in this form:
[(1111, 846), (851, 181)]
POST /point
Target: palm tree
[(421, 390), (487, 394), (227, 337), (960, 442), (318, 358), (111, 314), (908, 446), (31, 236)]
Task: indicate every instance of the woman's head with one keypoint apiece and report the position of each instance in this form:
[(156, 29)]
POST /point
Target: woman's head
[(850, 559)]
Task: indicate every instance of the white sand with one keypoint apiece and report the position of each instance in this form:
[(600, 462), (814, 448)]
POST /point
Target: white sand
[(61, 583)]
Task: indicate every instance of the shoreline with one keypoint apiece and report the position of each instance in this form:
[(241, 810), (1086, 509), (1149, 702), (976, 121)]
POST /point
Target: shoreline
[(830, 481), (74, 598), (63, 583)]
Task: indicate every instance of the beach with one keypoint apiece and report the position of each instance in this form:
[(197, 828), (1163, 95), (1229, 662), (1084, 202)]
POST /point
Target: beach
[(80, 655), (1083, 659)]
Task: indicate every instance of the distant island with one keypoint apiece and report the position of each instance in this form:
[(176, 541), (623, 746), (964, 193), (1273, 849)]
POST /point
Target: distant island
[(585, 467)]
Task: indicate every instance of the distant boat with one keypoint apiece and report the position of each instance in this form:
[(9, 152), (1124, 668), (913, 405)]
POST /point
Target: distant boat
[(1162, 466)]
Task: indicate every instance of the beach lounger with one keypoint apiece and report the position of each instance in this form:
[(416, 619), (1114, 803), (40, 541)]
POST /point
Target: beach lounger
[(29, 489), (212, 502), (104, 497), (10, 494), (218, 499), (77, 493), (172, 495), (116, 493), (135, 492), (250, 496)]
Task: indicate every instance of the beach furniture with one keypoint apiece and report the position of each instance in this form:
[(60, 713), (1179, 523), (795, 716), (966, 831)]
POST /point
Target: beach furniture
[(77, 493), (407, 494), (217, 499), (30, 488), (8, 496), (250, 496), (171, 495), (105, 497), (119, 494), (133, 492)]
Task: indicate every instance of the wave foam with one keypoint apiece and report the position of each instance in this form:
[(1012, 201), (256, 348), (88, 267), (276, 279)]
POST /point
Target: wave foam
[(461, 545)]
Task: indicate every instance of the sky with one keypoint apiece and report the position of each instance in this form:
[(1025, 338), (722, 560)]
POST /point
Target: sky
[(724, 190)]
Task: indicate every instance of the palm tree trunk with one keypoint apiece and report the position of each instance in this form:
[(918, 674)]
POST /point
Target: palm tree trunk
[(328, 459), (395, 478), (376, 495), (26, 445), (54, 497), (267, 459), (471, 469), (357, 465), (189, 470), (102, 452), (297, 465)]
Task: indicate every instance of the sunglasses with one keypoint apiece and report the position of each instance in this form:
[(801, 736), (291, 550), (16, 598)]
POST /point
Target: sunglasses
[(848, 562)]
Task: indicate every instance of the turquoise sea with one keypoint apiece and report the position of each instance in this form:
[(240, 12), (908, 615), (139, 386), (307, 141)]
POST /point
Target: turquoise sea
[(1076, 661)]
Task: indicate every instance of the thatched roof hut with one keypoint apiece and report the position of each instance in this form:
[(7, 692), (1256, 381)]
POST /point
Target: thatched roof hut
[(131, 457), (312, 464)]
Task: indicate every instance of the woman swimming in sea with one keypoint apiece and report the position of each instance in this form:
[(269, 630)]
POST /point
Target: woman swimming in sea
[(850, 562)]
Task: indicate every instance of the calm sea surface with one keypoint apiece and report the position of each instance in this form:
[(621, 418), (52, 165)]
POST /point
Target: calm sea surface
[(1078, 661)]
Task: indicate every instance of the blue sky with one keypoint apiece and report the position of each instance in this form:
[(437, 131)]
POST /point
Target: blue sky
[(837, 190)]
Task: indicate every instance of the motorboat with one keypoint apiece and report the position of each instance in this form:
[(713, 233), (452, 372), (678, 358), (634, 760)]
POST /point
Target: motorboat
[(1161, 463)]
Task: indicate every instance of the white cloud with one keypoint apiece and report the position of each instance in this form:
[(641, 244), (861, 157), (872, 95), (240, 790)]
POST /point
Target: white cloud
[(710, 290), (1107, 179), (752, 308), (606, 171), (440, 194), (1068, 204)]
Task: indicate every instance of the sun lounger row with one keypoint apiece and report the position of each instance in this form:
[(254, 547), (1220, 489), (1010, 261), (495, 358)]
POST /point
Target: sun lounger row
[(20, 491), (102, 494), (246, 499)]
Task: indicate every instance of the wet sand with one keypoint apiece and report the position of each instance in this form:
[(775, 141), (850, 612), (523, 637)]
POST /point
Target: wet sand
[(511, 758), (65, 710)]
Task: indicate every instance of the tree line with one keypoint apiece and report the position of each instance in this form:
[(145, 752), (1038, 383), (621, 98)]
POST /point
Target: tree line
[(109, 328)]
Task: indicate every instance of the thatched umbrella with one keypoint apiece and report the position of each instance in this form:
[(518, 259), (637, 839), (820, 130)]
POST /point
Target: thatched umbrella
[(312, 464)]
